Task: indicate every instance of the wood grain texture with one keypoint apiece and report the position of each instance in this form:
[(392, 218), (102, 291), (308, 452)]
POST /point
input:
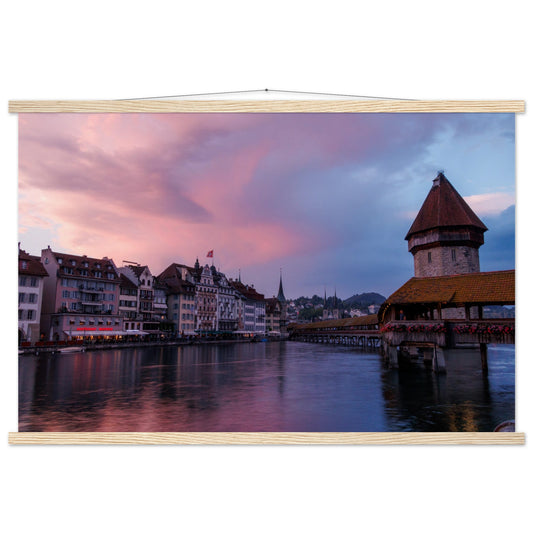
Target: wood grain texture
[(266, 106), (266, 438)]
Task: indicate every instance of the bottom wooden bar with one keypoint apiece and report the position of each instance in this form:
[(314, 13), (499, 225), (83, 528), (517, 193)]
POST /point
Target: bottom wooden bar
[(265, 438)]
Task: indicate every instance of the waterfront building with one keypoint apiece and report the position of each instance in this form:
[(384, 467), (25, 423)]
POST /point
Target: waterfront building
[(161, 292), (143, 279), (31, 275), (181, 308), (80, 297), (206, 299), (273, 316), (446, 234), (253, 308), (226, 303), (128, 305)]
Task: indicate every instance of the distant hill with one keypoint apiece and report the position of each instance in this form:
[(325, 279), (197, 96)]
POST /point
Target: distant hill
[(364, 300)]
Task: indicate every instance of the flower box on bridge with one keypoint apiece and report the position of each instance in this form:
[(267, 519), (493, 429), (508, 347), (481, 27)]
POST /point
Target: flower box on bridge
[(402, 331), (487, 332)]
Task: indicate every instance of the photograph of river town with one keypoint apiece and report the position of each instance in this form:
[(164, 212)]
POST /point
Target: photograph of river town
[(266, 272)]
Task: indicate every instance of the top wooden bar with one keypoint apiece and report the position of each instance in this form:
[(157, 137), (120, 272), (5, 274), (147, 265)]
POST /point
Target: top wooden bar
[(266, 106)]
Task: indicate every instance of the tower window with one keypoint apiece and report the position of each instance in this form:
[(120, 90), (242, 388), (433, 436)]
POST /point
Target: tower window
[(453, 255), (429, 257)]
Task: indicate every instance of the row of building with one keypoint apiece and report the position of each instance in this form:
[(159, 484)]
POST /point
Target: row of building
[(71, 297)]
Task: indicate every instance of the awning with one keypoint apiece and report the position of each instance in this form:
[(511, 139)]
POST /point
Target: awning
[(96, 333), (135, 332)]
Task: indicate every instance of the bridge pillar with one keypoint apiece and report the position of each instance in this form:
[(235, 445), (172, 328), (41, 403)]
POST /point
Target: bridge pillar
[(439, 364)]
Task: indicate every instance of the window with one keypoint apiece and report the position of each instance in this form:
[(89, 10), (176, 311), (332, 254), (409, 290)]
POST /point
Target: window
[(67, 270), (85, 264), (22, 281), (74, 306), (24, 265), (46, 261), (73, 262), (429, 257), (32, 298), (22, 297), (59, 261), (98, 265), (97, 274), (20, 314), (33, 282), (110, 275), (65, 294), (453, 255)]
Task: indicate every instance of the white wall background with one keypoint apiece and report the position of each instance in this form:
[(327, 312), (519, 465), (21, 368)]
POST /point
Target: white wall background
[(412, 49)]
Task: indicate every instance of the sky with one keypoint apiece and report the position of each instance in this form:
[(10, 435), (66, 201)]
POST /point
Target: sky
[(326, 197)]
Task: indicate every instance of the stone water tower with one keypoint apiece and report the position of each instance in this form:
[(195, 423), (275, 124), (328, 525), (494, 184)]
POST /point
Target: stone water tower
[(446, 234)]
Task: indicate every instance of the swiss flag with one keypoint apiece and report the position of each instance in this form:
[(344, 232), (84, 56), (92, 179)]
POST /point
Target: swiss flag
[(210, 253)]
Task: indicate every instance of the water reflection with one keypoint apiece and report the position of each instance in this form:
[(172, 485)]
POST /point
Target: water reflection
[(278, 386)]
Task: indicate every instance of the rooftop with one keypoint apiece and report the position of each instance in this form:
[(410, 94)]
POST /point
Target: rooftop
[(482, 288), (444, 207), (31, 265)]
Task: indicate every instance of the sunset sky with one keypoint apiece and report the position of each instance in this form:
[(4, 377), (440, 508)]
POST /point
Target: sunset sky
[(328, 198)]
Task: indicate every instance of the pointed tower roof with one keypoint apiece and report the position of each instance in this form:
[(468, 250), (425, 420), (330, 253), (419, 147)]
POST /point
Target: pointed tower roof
[(444, 207), (281, 296)]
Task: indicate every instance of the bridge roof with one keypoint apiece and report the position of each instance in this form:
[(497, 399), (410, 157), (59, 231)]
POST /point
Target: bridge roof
[(481, 288), (341, 322)]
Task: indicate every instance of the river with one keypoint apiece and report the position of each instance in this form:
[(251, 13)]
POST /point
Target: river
[(267, 386)]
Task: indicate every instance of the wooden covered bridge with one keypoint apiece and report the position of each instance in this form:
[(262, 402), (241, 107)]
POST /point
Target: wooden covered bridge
[(358, 331), (425, 316)]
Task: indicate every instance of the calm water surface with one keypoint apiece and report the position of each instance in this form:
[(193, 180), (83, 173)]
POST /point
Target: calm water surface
[(275, 386)]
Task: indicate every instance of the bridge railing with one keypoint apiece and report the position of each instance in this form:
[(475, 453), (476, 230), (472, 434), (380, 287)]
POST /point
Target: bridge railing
[(397, 331), (487, 331)]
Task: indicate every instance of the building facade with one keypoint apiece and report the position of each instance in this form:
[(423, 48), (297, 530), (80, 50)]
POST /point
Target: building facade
[(252, 309), (148, 315), (181, 307), (80, 297), (30, 278), (272, 316)]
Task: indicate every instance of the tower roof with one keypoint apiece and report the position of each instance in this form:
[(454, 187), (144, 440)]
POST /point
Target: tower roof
[(444, 207), (281, 296)]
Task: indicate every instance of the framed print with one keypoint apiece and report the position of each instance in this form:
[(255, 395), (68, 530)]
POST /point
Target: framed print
[(266, 272)]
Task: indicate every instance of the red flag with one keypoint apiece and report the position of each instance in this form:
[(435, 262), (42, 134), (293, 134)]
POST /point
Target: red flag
[(210, 253)]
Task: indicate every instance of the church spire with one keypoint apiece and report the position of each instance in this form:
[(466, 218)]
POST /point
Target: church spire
[(281, 296)]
